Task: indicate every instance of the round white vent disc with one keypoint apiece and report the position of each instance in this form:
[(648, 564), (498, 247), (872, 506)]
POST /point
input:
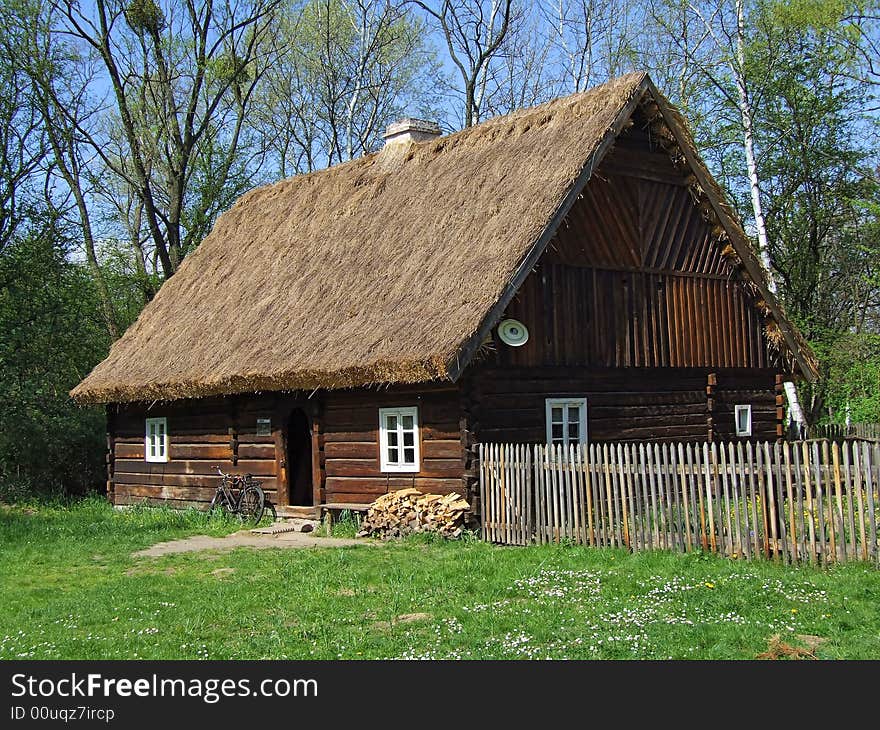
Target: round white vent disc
[(513, 332)]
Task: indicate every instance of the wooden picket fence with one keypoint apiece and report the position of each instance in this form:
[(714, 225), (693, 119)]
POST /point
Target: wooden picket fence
[(840, 431), (814, 501)]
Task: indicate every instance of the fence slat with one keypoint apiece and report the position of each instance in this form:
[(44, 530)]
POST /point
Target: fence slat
[(631, 500), (711, 488), (581, 497), (768, 501), (753, 526), (829, 503), (655, 521), (616, 494), (780, 503), (808, 501), (819, 503), (764, 497), (870, 486), (839, 527), (596, 501), (685, 479), (644, 503), (792, 527), (852, 549), (860, 502), (481, 448), (733, 542)]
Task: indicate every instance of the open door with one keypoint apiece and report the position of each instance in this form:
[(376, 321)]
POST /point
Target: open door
[(299, 459)]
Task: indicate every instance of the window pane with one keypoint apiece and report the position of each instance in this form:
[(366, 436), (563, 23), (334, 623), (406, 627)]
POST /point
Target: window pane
[(407, 421), (574, 414), (409, 456), (408, 438), (573, 429), (391, 423), (392, 455), (557, 431), (152, 447), (556, 414), (392, 438)]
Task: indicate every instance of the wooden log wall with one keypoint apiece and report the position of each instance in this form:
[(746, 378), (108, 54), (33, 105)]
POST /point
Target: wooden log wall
[(202, 434), (351, 443), (623, 404)]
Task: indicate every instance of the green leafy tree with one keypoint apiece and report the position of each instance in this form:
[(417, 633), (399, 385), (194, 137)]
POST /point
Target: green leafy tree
[(51, 335)]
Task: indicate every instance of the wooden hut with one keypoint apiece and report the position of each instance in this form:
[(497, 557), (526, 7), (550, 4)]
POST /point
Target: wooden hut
[(569, 273)]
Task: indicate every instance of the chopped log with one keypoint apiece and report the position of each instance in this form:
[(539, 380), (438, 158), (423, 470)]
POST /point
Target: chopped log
[(409, 511)]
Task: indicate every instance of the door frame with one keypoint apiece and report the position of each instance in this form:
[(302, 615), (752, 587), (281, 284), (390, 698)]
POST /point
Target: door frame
[(312, 409)]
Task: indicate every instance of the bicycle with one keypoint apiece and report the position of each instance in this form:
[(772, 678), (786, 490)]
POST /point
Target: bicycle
[(240, 495)]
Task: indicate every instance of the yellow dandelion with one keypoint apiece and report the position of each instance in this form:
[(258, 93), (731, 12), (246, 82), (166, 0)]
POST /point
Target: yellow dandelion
[(709, 585)]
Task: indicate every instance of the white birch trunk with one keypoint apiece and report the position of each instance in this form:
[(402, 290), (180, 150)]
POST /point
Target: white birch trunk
[(745, 109), (791, 394)]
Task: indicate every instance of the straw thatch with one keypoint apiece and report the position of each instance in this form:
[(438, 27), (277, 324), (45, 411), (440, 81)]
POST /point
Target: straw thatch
[(379, 270)]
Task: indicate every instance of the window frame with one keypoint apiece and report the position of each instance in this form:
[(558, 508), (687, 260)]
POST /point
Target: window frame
[(385, 465), (163, 457), (737, 409), (550, 404)]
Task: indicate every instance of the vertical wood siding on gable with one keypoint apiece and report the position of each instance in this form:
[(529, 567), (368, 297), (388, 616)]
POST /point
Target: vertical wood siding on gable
[(633, 278)]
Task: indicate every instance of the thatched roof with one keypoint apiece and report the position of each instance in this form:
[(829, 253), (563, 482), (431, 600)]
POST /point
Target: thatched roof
[(385, 269)]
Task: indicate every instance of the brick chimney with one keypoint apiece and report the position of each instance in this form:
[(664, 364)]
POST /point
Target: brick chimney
[(410, 129)]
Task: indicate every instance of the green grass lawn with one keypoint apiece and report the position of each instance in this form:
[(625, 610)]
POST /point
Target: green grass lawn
[(72, 590)]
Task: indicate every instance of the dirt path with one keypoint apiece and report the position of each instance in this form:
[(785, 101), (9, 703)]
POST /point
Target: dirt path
[(246, 538)]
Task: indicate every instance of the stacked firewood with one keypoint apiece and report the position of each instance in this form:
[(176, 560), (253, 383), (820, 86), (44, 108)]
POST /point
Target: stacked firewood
[(408, 511)]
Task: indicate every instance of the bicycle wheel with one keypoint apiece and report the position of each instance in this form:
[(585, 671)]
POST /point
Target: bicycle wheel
[(251, 504)]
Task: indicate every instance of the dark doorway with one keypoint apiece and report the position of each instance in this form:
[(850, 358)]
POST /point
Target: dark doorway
[(299, 459)]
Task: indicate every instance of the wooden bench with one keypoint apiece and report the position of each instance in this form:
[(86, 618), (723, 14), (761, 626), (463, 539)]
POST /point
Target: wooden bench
[(331, 509)]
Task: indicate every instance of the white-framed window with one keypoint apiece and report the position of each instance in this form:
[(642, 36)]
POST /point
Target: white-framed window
[(399, 439), (566, 421), (156, 440), (743, 417)]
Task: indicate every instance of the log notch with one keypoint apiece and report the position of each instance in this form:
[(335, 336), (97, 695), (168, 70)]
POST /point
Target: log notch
[(470, 473), (280, 412), (711, 382), (111, 450), (316, 418), (780, 406), (233, 430)]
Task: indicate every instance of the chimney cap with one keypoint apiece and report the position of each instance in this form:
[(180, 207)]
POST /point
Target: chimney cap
[(411, 129)]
